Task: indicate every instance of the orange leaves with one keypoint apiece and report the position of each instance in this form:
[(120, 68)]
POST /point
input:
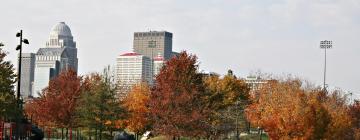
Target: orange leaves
[(136, 104), (287, 110)]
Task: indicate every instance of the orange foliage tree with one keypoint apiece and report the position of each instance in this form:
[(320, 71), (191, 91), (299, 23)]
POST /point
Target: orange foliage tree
[(136, 105), (355, 114), (286, 109), (176, 103)]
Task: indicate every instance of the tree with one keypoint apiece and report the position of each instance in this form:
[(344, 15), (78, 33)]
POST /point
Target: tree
[(340, 126), (226, 98), (286, 109), (62, 95), (98, 106), (355, 114), (176, 103), (136, 105), (8, 102), (56, 104), (282, 110)]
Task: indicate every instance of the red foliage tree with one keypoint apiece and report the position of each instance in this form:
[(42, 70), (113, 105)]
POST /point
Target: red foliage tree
[(57, 103), (176, 102)]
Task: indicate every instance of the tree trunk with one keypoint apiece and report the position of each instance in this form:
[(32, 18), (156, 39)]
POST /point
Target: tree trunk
[(89, 133), (100, 131), (62, 133), (96, 136), (70, 131)]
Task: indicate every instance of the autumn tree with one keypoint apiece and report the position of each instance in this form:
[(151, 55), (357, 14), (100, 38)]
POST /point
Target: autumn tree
[(286, 109), (56, 105), (98, 106), (226, 97), (135, 103), (340, 126), (8, 102), (355, 114), (176, 102), (281, 110)]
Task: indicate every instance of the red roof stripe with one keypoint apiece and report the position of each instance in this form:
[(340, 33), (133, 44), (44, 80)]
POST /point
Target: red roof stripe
[(130, 54)]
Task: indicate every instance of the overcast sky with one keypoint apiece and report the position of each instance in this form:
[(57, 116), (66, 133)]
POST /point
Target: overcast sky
[(274, 36)]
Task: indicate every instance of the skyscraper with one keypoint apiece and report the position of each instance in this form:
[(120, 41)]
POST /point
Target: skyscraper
[(153, 43), (59, 54), (27, 74), (131, 69)]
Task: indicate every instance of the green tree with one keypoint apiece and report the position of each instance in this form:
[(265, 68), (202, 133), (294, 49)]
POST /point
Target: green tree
[(8, 103), (98, 107), (226, 97)]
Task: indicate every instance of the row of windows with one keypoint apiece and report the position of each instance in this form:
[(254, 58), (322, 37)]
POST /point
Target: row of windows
[(47, 57), (149, 34)]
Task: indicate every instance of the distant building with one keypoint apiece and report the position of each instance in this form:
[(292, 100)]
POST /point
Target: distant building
[(158, 63), (255, 83), (175, 54), (59, 54), (206, 74), (27, 74), (133, 68), (152, 43)]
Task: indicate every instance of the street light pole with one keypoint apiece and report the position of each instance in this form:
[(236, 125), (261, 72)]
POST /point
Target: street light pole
[(19, 48), (325, 45)]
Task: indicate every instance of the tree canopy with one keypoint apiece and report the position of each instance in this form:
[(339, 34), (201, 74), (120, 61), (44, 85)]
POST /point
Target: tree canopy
[(176, 101), (8, 102)]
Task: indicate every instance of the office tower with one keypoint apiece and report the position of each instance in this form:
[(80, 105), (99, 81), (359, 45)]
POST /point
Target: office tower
[(59, 54), (27, 74), (158, 63), (131, 69), (153, 43)]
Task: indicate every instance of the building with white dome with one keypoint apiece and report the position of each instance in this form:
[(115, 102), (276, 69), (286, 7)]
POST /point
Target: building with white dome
[(59, 54)]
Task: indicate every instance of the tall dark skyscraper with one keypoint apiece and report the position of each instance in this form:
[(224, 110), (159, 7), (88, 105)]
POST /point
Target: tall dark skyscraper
[(153, 43)]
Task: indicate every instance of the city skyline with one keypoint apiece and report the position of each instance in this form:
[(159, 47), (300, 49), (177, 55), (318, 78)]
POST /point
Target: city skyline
[(276, 37)]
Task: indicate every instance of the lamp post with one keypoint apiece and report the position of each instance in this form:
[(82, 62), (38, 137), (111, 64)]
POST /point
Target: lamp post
[(19, 48), (325, 45)]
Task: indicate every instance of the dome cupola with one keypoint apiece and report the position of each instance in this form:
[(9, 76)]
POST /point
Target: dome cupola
[(60, 29)]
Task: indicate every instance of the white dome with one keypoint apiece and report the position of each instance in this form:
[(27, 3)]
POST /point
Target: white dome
[(61, 29)]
